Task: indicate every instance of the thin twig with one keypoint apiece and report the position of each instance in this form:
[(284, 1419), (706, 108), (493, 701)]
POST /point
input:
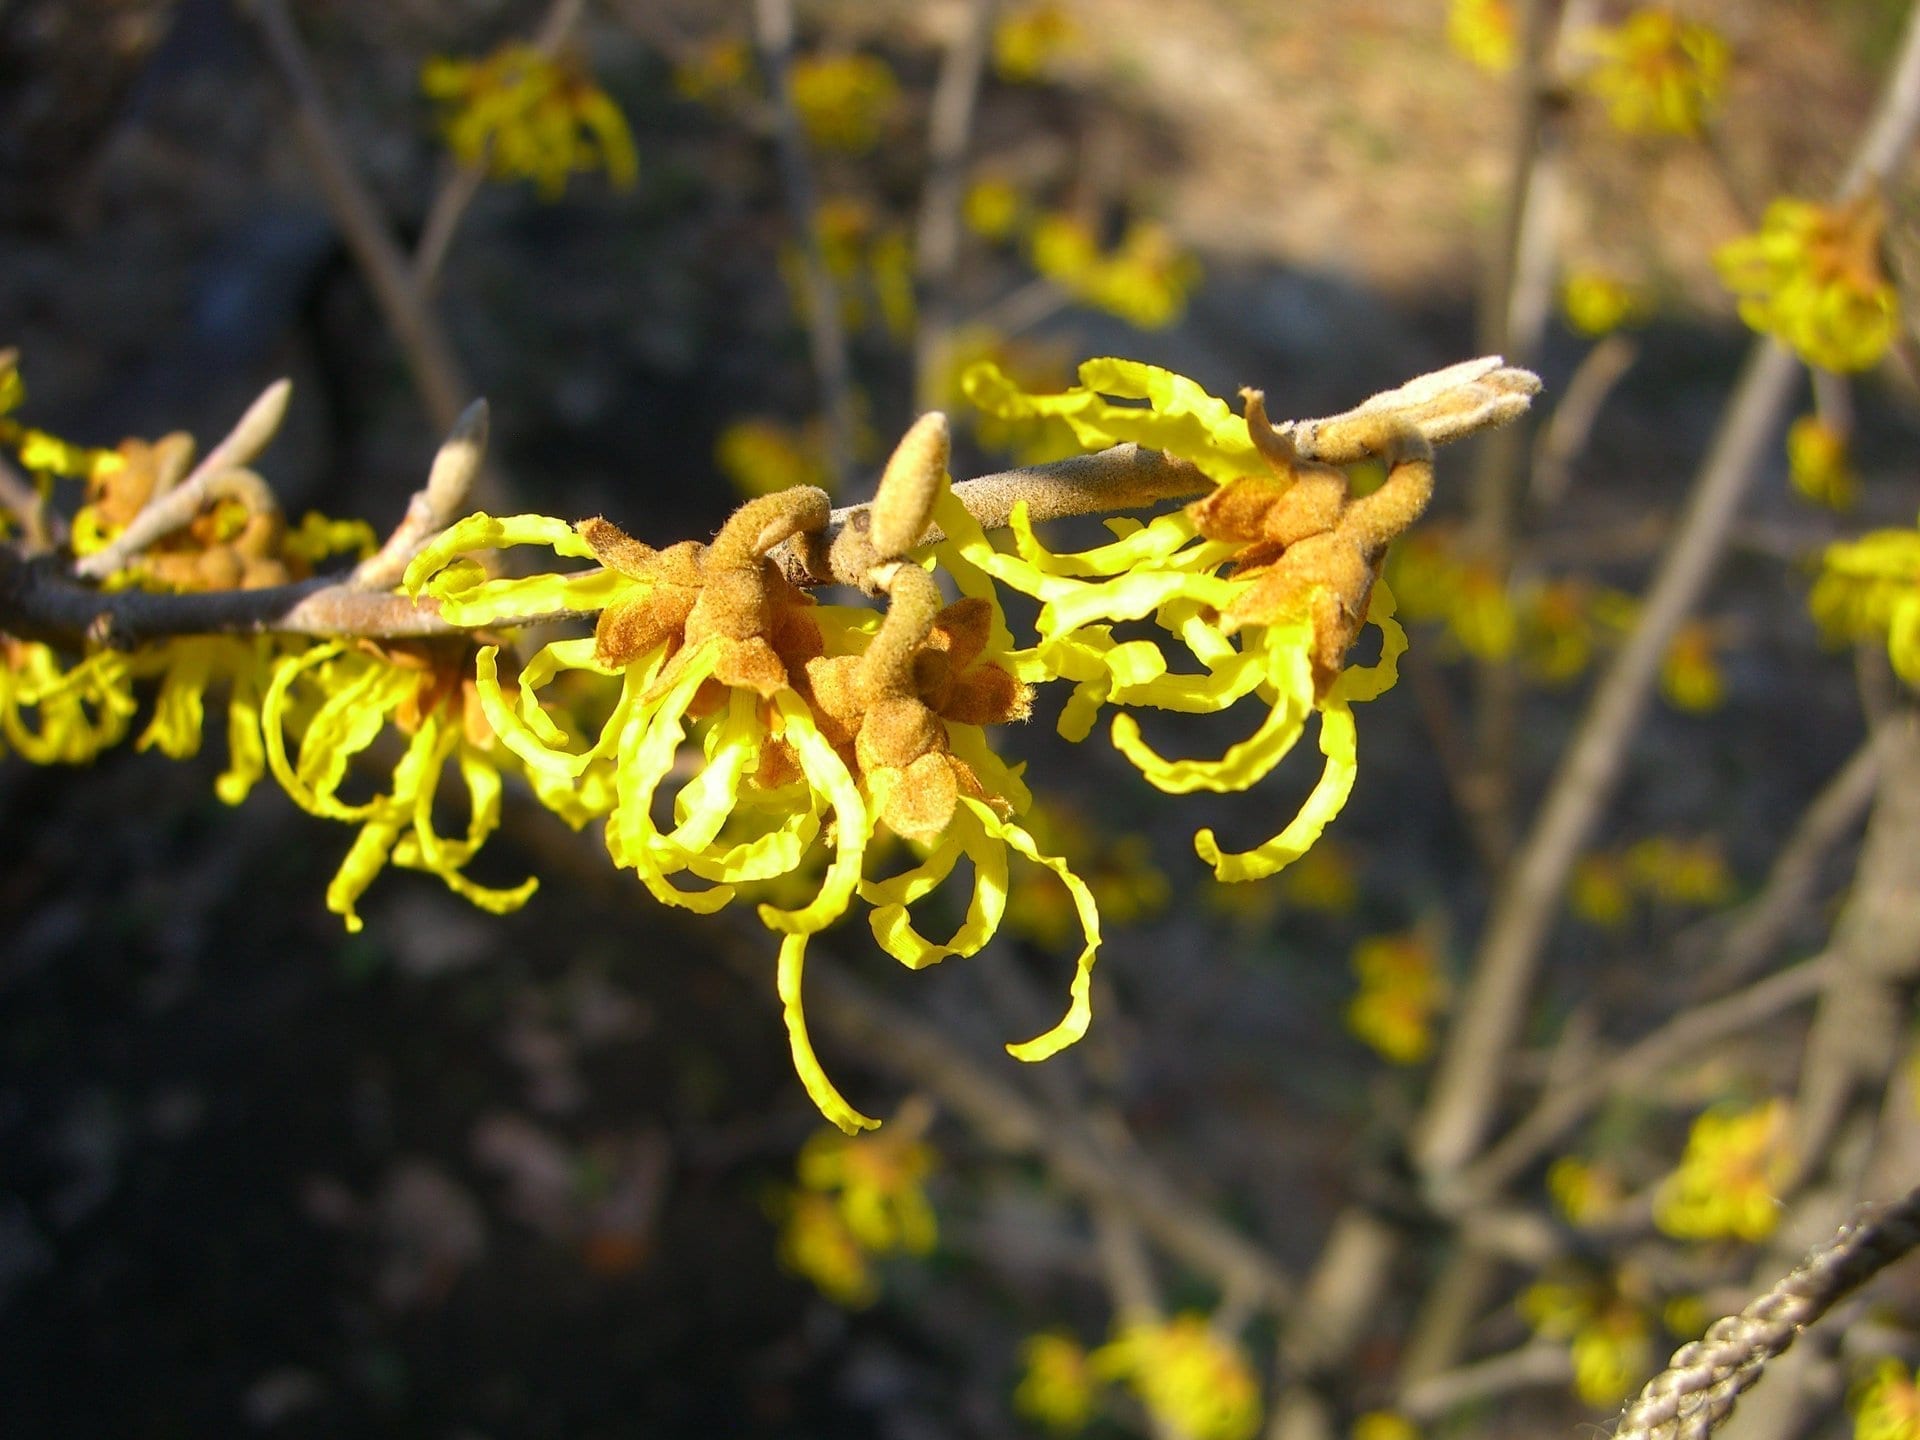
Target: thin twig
[(826, 336), (433, 507), (1534, 1365), (936, 244), (1566, 432)]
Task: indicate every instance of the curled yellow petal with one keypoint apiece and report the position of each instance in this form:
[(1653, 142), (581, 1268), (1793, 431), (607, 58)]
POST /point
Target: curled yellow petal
[(1323, 803), (833, 1105), (1079, 1014)]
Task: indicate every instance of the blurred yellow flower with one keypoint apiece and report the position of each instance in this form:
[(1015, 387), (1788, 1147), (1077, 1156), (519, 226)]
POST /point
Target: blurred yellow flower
[(1586, 1193), (1434, 579), (1607, 1335), (1690, 675), (1383, 1425), (1885, 1403), (1735, 1162), (1401, 990), (714, 68), (1030, 366), (1484, 32), (817, 1244), (1818, 465), (1599, 894), (1657, 73), (1325, 880), (870, 261), (39, 452), (993, 208), (1145, 279), (1597, 303), (1057, 1387), (525, 116), (1187, 1376), (759, 456), (1557, 630), (1028, 38), (878, 1181), (844, 101), (1680, 872), (1812, 277), (1869, 588)]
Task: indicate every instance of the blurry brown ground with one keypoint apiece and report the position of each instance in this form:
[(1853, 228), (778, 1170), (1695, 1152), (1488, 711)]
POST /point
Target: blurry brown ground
[(464, 1177)]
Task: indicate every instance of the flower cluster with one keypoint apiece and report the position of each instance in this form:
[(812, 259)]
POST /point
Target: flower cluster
[(1659, 868), (1607, 1331), (1402, 988), (1598, 303), (859, 1197), (1145, 278), (1885, 1403), (1188, 1375), (1656, 73), (1028, 39), (1812, 276), (524, 115), (1869, 589), (1484, 31), (735, 738), (1818, 463), (1736, 1162), (844, 101), (871, 263), (760, 456)]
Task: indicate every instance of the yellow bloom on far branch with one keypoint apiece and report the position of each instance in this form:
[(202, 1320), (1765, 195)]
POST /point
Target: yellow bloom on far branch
[(816, 1244), (760, 456), (1187, 1375), (1557, 630), (1680, 872), (1869, 589), (1028, 365), (1484, 31), (1736, 1160), (1145, 279), (1812, 276), (1690, 675), (525, 116), (714, 68), (1818, 465), (1324, 881), (878, 1182), (993, 209), (1117, 867), (1885, 1403), (1596, 303), (1608, 1336), (1057, 1388), (1383, 1425), (844, 101), (1587, 1193), (1401, 990), (37, 451), (1658, 74), (1028, 38), (1600, 895)]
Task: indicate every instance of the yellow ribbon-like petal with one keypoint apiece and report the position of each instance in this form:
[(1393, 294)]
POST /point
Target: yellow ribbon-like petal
[(833, 1105)]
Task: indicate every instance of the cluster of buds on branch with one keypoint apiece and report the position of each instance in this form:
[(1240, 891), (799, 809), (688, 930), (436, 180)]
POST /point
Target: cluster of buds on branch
[(736, 738)]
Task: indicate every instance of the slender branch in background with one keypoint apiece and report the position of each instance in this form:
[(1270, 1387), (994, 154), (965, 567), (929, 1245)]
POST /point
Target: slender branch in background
[(1533, 1366), (1559, 1110), (1567, 429), (826, 336), (1749, 935), (436, 370), (936, 245), (1703, 1381), (462, 185)]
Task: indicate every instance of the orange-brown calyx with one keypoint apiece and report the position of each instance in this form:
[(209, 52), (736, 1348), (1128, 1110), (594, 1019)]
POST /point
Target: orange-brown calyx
[(1308, 546)]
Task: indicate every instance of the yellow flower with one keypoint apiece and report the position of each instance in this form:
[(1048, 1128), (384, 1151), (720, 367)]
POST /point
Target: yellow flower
[(1434, 580), (1187, 1375), (55, 715), (1812, 276), (1026, 41), (1680, 872), (1383, 1425), (1817, 463), (1600, 895), (1597, 303), (844, 100), (1587, 1194), (815, 725), (1145, 279), (816, 1244), (1885, 1403), (1657, 73), (1690, 675), (872, 266), (993, 209), (1324, 881), (1029, 366), (1484, 32), (878, 1182), (338, 700), (1401, 989), (714, 68), (525, 116), (1725, 1188), (1557, 630), (760, 456), (1869, 588), (39, 452), (1294, 607), (1609, 1338), (1056, 1389)]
